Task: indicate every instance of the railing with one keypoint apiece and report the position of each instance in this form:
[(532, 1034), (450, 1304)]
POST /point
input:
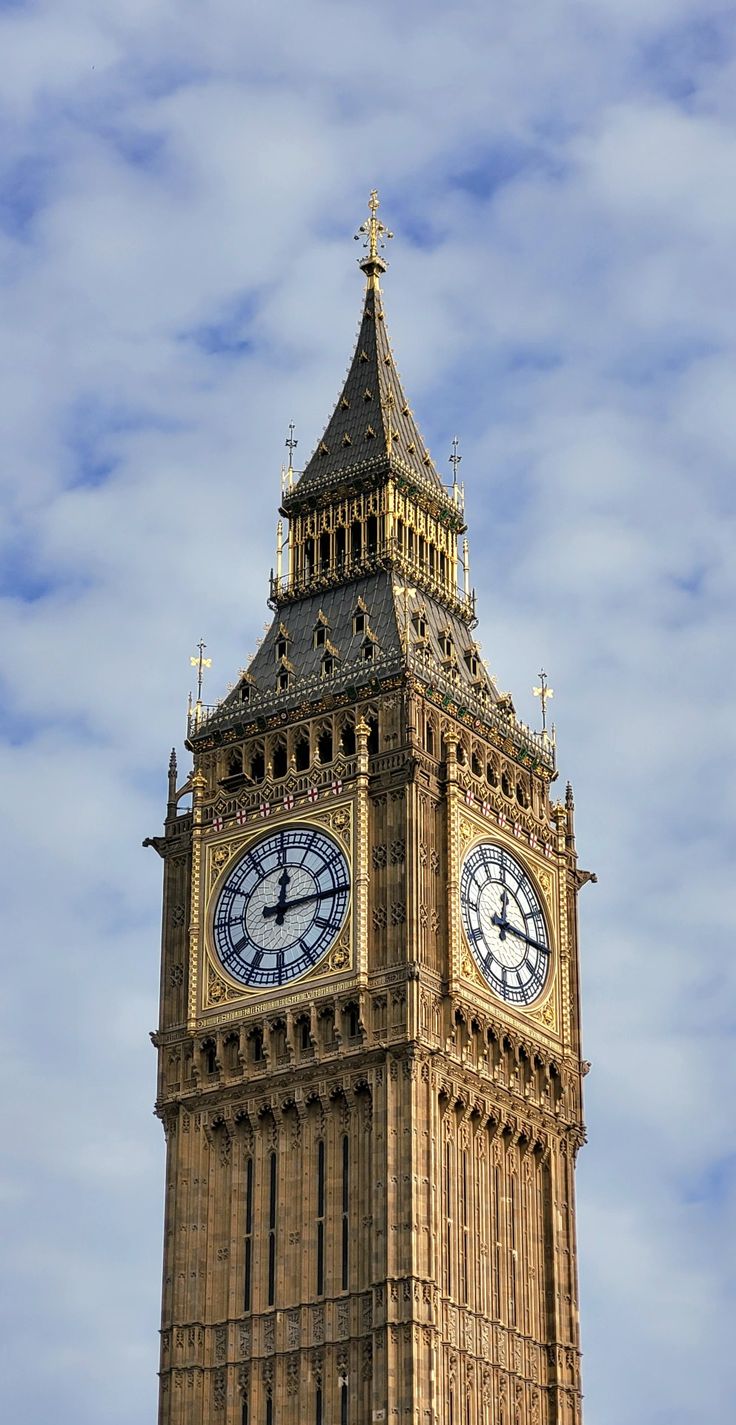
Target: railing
[(389, 554), (452, 495), (457, 697), (538, 744)]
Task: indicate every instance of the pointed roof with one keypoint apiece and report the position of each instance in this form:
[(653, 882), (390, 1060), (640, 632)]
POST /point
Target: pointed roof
[(372, 425)]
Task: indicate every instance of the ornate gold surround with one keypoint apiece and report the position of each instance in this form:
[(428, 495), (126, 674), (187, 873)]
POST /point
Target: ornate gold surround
[(550, 886), (215, 988)]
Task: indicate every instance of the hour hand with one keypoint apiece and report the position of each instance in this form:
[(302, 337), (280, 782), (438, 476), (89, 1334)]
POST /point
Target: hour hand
[(500, 920)]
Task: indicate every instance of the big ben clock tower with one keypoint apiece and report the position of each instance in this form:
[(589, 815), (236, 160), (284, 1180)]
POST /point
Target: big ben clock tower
[(369, 1039)]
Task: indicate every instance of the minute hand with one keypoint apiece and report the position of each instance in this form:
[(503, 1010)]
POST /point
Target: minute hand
[(505, 925), (269, 910)]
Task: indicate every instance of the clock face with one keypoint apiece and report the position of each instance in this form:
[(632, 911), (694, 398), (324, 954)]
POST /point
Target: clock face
[(281, 906), (504, 924)]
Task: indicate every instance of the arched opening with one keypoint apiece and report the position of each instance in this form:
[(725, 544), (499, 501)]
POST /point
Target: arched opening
[(301, 751), (356, 540), (372, 534), (340, 547), (308, 558), (257, 768), (279, 760), (324, 745), (324, 552), (347, 739)]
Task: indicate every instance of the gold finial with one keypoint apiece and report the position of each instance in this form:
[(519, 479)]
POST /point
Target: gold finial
[(544, 693), (375, 235), (200, 663)]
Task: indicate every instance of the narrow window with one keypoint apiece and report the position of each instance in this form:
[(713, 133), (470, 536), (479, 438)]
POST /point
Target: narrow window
[(372, 533), (359, 621), (452, 1407), (448, 1218), (356, 540), (464, 1227), (245, 1414), (328, 666), (302, 754), (318, 1406), (257, 765), (512, 1263), (431, 559), (344, 1403), (320, 635), (340, 548), (324, 552), (496, 1243), (304, 1042), (309, 558), (368, 652), (373, 735), (282, 648), (429, 739), (320, 1217), (272, 1229), (282, 682), (347, 739), (269, 1410), (324, 745), (247, 1282), (345, 1210)]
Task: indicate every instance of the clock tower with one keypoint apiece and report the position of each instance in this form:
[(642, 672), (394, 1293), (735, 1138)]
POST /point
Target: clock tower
[(369, 1069)]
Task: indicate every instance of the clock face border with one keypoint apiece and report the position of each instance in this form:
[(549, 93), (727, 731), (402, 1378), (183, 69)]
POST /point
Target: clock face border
[(543, 1001), (216, 988)]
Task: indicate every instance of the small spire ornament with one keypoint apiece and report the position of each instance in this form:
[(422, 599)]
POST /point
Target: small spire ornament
[(375, 234), (544, 693)]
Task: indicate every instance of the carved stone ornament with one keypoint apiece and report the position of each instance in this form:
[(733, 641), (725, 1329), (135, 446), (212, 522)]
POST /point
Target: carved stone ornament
[(218, 992), (340, 956)]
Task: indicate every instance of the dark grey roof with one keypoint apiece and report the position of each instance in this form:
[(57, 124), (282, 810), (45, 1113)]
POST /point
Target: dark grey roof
[(380, 597), (372, 422)]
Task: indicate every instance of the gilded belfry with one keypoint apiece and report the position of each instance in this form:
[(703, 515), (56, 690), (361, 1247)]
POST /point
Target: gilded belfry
[(369, 1061)]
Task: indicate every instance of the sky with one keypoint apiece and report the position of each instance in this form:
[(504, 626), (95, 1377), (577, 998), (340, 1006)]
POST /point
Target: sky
[(180, 183)]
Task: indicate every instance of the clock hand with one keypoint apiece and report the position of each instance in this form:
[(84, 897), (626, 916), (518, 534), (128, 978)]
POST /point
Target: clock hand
[(278, 910), (505, 927), (281, 906), (502, 923)]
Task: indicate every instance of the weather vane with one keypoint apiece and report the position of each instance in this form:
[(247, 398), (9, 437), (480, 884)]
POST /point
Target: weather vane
[(455, 458), (200, 663), (373, 231), (543, 692)]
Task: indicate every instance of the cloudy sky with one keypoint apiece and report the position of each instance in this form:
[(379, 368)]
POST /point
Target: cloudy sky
[(180, 183)]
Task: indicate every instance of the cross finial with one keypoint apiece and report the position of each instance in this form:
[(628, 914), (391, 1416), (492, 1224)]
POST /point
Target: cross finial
[(200, 663), (375, 235), (544, 693), (455, 458)]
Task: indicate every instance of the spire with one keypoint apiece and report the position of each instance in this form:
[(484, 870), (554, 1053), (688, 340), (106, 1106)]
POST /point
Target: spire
[(372, 426)]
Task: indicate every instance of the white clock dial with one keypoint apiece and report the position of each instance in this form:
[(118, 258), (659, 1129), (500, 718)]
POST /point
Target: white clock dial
[(504, 924), (281, 906)]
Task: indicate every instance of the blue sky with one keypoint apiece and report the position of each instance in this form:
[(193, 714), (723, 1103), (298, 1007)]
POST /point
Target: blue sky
[(179, 186)]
